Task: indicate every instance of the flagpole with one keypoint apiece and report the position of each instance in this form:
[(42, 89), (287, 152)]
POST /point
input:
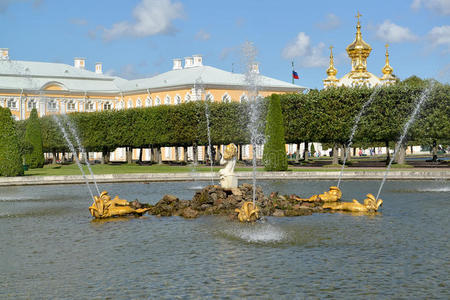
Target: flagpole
[(292, 75)]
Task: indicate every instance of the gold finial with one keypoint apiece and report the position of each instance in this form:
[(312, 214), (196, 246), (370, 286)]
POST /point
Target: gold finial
[(387, 69), (358, 16), (331, 71)]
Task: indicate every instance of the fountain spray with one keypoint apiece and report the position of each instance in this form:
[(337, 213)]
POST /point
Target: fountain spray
[(81, 149), (422, 99), (355, 126), (72, 148), (251, 79)]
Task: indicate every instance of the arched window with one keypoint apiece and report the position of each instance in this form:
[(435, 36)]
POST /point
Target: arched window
[(167, 100), (187, 98), (130, 103), (121, 105), (71, 105), (107, 106), (12, 103), (31, 103), (157, 101), (243, 98), (226, 98), (209, 97), (139, 102), (177, 99), (148, 102)]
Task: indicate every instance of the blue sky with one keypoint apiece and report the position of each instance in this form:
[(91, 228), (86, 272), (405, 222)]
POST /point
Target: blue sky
[(138, 38)]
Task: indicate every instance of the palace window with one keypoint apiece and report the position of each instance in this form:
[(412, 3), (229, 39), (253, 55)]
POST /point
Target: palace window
[(107, 106), (89, 106), (209, 97), (177, 100), (167, 100), (31, 104), (71, 105), (243, 98), (130, 103), (157, 101), (139, 102), (51, 104), (12, 103), (187, 98), (226, 98), (148, 102)]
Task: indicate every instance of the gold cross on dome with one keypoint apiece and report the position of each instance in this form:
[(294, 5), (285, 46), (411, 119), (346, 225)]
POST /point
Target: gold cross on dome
[(358, 15), (387, 45)]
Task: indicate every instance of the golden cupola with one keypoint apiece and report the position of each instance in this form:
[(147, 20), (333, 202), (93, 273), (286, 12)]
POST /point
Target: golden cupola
[(387, 69), (331, 80), (359, 50), (331, 71)]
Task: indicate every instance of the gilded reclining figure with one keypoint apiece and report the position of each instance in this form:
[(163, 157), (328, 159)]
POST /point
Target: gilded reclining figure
[(104, 207), (248, 212), (333, 195), (370, 205)]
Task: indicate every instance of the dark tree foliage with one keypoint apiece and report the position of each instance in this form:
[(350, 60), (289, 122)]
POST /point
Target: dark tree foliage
[(10, 156), (33, 137), (274, 156)]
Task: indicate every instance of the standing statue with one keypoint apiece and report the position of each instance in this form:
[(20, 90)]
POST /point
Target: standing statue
[(228, 178), (104, 207)]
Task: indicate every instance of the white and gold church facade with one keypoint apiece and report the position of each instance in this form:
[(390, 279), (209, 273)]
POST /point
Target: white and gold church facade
[(359, 51), (56, 88)]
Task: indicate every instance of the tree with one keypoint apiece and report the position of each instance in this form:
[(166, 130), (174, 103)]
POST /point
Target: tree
[(274, 156), (33, 137), (10, 157)]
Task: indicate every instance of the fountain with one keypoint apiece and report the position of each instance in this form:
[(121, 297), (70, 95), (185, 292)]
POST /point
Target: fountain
[(355, 126), (422, 99), (81, 150), (251, 79), (72, 149)]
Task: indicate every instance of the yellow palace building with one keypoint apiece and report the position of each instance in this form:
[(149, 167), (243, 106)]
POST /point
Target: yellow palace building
[(55, 88)]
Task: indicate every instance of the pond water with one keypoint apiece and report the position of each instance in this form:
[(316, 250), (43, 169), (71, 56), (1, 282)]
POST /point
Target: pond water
[(50, 247)]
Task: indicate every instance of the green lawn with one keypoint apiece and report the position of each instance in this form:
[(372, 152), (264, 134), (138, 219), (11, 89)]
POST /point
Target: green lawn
[(72, 169)]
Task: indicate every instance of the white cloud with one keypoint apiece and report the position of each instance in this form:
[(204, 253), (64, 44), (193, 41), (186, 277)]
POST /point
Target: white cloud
[(331, 22), (151, 17), (203, 35), (441, 7), (440, 36), (309, 56), (393, 33)]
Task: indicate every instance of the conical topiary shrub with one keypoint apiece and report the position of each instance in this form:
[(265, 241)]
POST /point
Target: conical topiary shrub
[(274, 156), (10, 157), (33, 137)]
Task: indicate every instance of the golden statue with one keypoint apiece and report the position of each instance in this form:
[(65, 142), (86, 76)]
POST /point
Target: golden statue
[(104, 207), (370, 205), (248, 212), (333, 195)]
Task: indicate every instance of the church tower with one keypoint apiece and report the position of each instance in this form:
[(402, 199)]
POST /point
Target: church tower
[(359, 51)]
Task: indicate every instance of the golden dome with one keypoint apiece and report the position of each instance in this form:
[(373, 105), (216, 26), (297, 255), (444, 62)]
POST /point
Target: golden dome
[(331, 71), (387, 69), (359, 46)]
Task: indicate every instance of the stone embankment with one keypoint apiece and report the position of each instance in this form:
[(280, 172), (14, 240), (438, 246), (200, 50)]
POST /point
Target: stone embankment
[(424, 174)]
